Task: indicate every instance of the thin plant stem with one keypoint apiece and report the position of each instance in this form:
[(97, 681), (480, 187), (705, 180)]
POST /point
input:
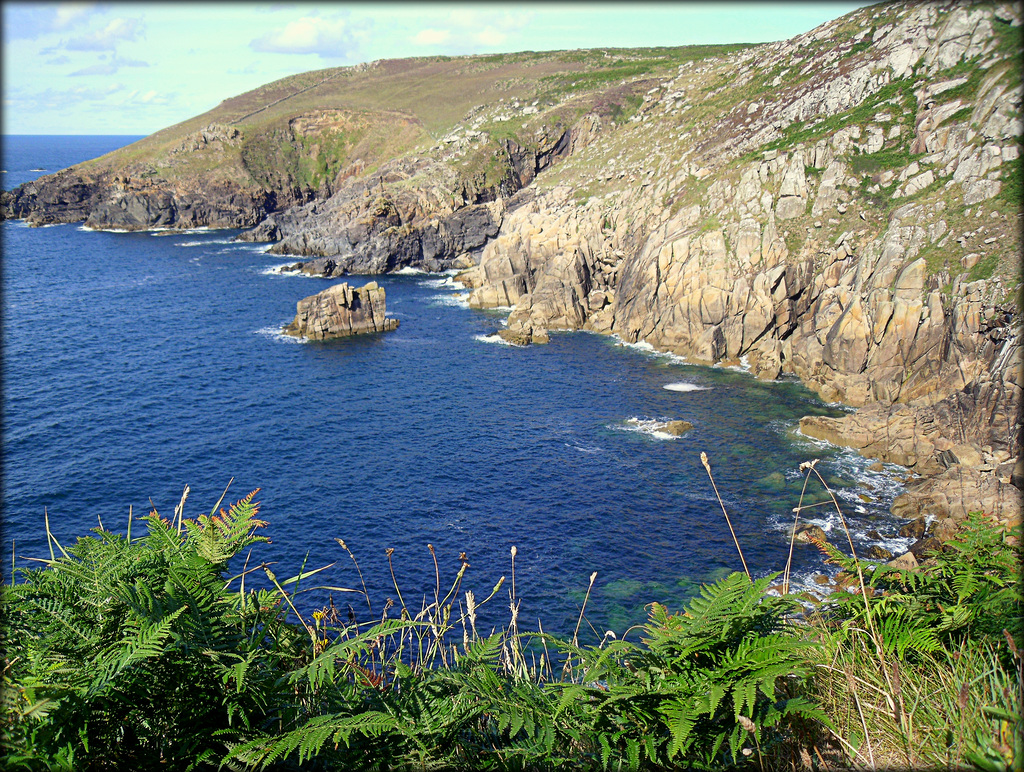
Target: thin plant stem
[(437, 576), (707, 466), (792, 536), (221, 499), (389, 552), (366, 595), (49, 536), (873, 631), (180, 509)]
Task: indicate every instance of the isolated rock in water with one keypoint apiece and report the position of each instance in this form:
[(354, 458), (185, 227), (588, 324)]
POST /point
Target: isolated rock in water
[(675, 428), (341, 310), (806, 532)]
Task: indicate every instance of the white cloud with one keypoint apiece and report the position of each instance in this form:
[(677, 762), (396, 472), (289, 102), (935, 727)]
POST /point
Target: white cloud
[(67, 14), (489, 36), (432, 37), (326, 37), (116, 63), (117, 31), (469, 30)]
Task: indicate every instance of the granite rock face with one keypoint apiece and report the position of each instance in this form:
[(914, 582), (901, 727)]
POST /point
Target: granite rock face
[(142, 196), (797, 260), (340, 311), (414, 213)]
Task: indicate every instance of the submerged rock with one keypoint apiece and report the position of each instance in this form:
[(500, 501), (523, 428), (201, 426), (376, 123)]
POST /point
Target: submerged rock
[(340, 311)]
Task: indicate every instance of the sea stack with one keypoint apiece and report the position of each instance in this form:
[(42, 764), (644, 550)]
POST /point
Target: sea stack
[(340, 311)]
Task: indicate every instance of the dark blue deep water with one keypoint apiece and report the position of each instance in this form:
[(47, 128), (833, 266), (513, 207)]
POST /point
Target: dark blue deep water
[(134, 364)]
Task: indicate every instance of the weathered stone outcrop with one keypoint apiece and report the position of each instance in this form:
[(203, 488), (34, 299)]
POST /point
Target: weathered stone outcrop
[(797, 262), (414, 212), (341, 310), (115, 203), (141, 196)]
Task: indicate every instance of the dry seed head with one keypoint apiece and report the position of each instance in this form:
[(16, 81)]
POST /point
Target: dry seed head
[(431, 548), (704, 460), (389, 551), (746, 723), (1010, 642), (341, 543), (593, 576), (514, 550)]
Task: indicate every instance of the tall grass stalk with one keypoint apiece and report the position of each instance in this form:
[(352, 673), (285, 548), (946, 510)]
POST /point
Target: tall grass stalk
[(707, 468)]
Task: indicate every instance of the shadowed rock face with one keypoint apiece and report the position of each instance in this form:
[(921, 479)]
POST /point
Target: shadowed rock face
[(340, 311), (410, 214), (121, 203)]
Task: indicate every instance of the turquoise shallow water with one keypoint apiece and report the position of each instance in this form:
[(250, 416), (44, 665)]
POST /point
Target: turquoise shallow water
[(135, 364)]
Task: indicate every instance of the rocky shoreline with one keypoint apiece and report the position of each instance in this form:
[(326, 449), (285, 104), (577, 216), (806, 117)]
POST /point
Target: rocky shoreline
[(842, 207)]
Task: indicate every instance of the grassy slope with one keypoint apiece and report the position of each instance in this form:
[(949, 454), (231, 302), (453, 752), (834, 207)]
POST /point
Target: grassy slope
[(408, 103)]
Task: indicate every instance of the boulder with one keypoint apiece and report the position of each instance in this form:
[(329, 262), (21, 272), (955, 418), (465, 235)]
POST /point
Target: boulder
[(906, 561), (341, 310), (675, 428), (876, 552), (806, 532), (914, 529)]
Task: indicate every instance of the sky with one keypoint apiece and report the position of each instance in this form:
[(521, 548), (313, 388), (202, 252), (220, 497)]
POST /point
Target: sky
[(134, 68)]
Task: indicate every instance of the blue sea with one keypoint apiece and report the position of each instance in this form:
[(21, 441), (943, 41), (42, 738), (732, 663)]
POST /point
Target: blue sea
[(135, 364)]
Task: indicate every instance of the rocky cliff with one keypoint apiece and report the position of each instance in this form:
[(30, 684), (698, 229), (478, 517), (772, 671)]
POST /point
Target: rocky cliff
[(340, 311), (843, 207), (859, 227)]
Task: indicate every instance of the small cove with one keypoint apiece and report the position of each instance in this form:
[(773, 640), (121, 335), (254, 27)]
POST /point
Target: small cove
[(137, 363)]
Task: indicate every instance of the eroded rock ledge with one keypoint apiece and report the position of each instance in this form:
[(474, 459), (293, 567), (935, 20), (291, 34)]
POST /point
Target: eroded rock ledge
[(340, 311)]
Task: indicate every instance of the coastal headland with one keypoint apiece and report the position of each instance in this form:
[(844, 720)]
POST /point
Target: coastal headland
[(843, 207)]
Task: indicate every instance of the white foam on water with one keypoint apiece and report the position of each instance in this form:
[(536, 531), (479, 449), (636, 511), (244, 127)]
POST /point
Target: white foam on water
[(276, 334), (110, 230), (742, 367), (456, 300), (640, 345), (684, 386), (279, 270), (588, 449), (646, 348), (444, 282), (409, 271), (645, 426), (189, 243), (495, 339)]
